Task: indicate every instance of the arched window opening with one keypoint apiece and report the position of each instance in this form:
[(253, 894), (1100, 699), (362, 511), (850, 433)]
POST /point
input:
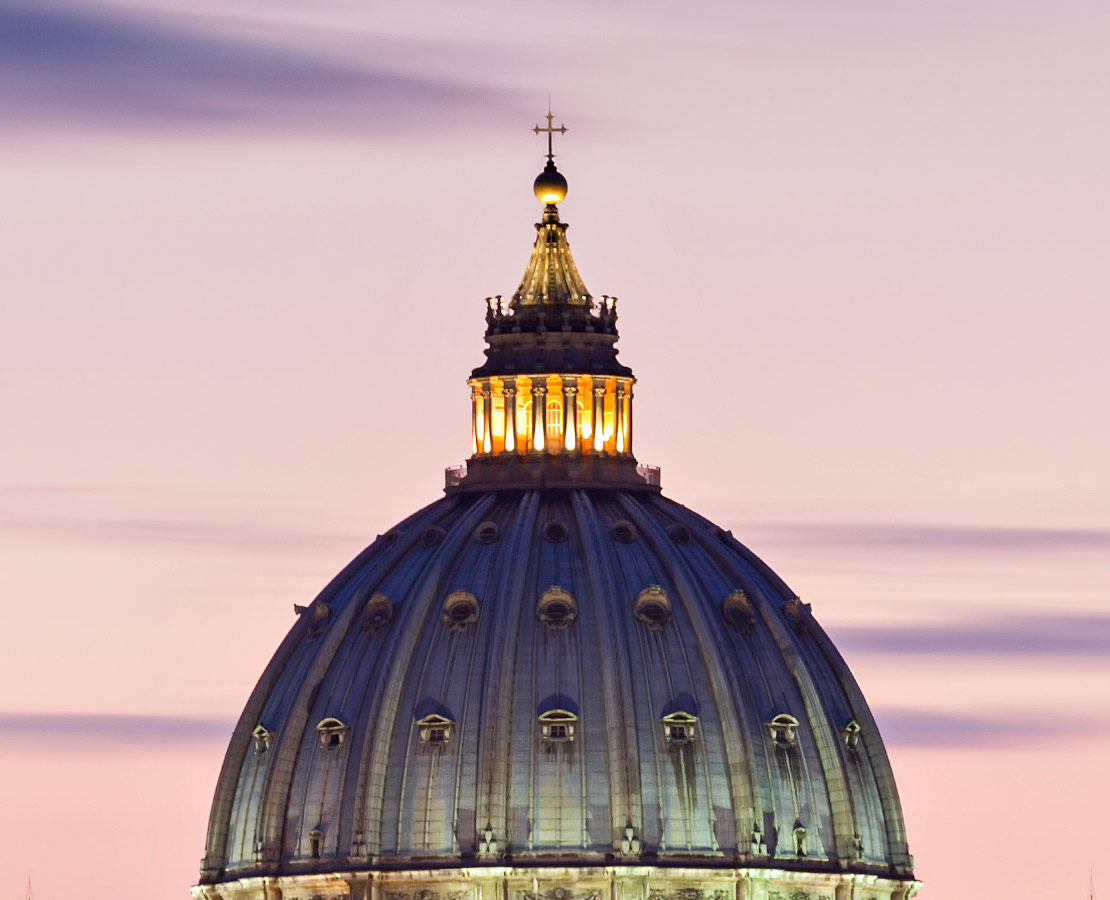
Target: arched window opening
[(262, 738), (653, 607), (460, 611), (332, 733), (556, 608), (783, 729), (554, 422), (557, 726)]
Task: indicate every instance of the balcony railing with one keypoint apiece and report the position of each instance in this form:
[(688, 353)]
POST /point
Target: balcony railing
[(455, 475)]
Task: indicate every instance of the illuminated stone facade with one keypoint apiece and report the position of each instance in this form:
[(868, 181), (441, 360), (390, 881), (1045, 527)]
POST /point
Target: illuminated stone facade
[(554, 683)]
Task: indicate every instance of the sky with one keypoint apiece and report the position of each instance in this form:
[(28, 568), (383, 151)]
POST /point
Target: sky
[(860, 248)]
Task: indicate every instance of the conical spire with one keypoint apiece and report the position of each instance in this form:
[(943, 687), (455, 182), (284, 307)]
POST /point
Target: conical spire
[(551, 323), (551, 277)]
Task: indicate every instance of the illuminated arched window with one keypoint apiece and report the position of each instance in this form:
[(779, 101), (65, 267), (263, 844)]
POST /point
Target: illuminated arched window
[(554, 421)]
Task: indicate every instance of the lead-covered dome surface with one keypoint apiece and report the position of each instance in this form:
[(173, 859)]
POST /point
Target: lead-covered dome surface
[(571, 677)]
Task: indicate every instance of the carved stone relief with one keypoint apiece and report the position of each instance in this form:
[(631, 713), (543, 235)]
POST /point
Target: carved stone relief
[(798, 895), (426, 895), (688, 894), (558, 893)]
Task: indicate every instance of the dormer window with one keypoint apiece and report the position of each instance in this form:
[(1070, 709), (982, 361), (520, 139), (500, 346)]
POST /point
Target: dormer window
[(850, 733), (332, 733), (556, 608), (557, 726), (434, 731), (738, 611), (653, 607), (679, 728), (378, 613), (460, 610), (783, 730), (262, 738)]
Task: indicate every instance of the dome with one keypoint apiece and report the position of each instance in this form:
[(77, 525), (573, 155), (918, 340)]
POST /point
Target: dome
[(555, 683), (711, 714)]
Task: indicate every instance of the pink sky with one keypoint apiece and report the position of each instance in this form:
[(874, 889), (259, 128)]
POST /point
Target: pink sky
[(861, 254)]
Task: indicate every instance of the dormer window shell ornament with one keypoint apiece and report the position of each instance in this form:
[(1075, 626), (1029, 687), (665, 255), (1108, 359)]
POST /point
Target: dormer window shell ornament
[(263, 737), (435, 731), (783, 730), (797, 614), (738, 611), (850, 734), (653, 607), (317, 613), (679, 728), (557, 726), (332, 733), (460, 611), (557, 608), (378, 613)]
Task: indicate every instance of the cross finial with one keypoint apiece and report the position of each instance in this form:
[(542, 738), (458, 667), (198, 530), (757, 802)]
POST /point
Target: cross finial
[(550, 130)]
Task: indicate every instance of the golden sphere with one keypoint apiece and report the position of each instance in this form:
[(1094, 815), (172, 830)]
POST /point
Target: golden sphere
[(550, 186)]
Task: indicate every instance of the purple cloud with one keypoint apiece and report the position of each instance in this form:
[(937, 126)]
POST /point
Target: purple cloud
[(925, 728), (67, 65), (1058, 634), (950, 538), (135, 729)]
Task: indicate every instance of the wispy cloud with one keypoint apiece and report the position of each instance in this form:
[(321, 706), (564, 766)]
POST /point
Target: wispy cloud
[(69, 65), (137, 729), (1059, 634), (106, 515), (927, 728), (185, 534), (949, 538)]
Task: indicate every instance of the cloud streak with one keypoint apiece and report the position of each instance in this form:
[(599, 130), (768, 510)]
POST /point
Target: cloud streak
[(929, 538), (925, 728), (109, 516), (1060, 634), (131, 729), (230, 537), (66, 66)]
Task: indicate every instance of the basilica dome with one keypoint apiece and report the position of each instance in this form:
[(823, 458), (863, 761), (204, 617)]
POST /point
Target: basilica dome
[(555, 683)]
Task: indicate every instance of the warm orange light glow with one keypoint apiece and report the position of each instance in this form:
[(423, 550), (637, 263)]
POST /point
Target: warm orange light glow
[(554, 423), (551, 198), (537, 443), (498, 423)]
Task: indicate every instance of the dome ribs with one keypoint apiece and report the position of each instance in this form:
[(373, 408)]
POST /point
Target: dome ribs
[(383, 800), (721, 737), (622, 756), (840, 798), (420, 604), (897, 847), (494, 762), (240, 845)]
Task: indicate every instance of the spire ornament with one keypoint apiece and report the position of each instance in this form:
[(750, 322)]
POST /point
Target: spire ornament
[(550, 186)]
